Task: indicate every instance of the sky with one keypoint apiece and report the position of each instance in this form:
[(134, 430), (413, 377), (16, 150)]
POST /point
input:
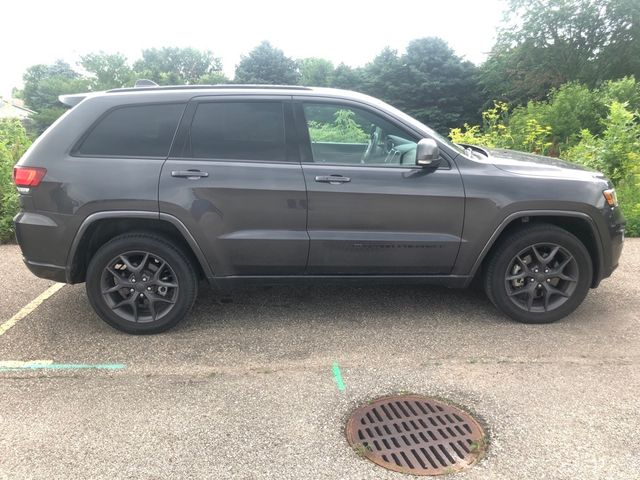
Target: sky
[(352, 32)]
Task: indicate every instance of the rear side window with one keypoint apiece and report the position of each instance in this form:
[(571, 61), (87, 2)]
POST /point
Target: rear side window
[(134, 131), (239, 131)]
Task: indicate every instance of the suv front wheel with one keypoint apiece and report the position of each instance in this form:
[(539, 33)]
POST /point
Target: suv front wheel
[(140, 283), (538, 274)]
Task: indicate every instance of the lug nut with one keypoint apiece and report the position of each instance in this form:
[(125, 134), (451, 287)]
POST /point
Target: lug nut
[(548, 280), (133, 280), (149, 288), (539, 285), (131, 289), (141, 295)]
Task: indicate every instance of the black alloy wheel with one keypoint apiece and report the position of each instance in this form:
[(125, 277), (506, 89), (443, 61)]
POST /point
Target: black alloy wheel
[(539, 273), (139, 286), (141, 283), (541, 277)]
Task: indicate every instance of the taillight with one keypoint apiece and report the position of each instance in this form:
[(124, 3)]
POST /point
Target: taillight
[(28, 176)]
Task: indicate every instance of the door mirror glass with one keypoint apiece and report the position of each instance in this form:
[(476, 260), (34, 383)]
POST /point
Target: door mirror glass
[(427, 153)]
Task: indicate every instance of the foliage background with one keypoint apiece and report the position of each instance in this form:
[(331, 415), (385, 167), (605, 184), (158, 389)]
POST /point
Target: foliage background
[(13, 143), (560, 80)]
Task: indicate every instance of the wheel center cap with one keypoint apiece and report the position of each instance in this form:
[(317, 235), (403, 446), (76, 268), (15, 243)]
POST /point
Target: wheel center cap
[(540, 277), (140, 287)]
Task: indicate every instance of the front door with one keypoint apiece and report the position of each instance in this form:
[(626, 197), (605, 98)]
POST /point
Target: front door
[(371, 209)]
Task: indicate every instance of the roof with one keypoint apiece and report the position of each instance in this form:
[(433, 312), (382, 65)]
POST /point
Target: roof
[(12, 108), (220, 86), (185, 91)]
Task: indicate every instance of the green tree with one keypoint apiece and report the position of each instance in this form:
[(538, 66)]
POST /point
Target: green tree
[(266, 64), (387, 77), (315, 72), (546, 43), (178, 66), (436, 86), (107, 71), (42, 86), (347, 78)]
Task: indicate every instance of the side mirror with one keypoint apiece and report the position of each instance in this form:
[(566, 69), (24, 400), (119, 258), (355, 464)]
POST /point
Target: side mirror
[(427, 153)]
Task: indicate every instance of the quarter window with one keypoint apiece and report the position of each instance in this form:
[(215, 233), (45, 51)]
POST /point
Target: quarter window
[(133, 131), (239, 131)]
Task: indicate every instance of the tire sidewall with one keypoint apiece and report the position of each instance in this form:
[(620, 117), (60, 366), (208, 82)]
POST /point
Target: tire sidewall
[(509, 249), (181, 266)]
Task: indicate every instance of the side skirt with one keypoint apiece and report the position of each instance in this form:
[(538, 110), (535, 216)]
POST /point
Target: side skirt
[(451, 281)]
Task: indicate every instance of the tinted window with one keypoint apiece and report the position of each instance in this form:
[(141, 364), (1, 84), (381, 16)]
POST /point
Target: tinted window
[(136, 131), (239, 130)]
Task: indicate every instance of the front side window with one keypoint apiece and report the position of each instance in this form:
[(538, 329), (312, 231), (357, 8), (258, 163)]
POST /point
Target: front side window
[(238, 131), (342, 134), (133, 131)]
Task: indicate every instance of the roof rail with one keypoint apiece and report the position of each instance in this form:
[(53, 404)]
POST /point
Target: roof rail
[(72, 99), (207, 87), (143, 82)]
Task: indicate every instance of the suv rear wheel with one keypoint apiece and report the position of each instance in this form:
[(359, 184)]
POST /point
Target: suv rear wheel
[(538, 274), (141, 284)]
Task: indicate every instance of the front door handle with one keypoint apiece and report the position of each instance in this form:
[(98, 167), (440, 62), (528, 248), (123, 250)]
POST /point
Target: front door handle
[(332, 179), (190, 174)]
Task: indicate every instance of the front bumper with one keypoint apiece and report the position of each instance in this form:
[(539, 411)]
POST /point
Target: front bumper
[(613, 241)]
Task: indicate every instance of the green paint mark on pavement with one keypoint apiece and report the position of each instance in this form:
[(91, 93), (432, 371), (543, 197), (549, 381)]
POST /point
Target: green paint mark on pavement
[(338, 377), (62, 366)]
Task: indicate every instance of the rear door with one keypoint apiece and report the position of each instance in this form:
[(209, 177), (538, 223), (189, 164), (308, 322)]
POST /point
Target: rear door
[(371, 209), (235, 180)]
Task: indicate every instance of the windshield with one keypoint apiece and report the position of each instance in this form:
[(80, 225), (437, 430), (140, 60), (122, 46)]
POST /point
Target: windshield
[(432, 133)]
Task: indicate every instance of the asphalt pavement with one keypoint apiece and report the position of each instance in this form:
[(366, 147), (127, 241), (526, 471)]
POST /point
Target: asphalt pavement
[(244, 388)]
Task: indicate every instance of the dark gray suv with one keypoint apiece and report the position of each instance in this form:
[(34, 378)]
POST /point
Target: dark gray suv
[(143, 191)]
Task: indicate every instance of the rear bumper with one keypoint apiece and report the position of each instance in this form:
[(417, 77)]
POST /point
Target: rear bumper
[(45, 270), (43, 250)]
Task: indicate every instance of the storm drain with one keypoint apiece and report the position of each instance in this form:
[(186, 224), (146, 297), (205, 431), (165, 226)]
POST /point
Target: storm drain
[(415, 434)]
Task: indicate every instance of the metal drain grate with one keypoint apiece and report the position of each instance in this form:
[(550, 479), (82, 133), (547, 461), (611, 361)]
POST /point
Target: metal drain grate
[(415, 434)]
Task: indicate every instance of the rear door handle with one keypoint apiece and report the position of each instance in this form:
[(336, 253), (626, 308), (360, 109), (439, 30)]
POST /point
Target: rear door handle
[(332, 179), (190, 174)]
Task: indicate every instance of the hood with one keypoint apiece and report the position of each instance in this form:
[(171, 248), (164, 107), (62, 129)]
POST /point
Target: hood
[(521, 163)]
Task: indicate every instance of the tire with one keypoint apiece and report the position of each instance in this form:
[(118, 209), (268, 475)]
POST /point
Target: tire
[(140, 283), (538, 274)]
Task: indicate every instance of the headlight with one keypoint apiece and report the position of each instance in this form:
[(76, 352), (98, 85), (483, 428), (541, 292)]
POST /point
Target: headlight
[(611, 197)]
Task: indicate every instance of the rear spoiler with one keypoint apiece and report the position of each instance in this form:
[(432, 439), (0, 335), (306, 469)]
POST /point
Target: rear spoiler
[(72, 99)]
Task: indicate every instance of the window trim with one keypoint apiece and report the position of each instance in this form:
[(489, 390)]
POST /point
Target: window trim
[(306, 154), (180, 150), (74, 152)]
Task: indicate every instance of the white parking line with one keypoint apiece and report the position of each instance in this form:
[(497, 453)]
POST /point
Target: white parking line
[(30, 307)]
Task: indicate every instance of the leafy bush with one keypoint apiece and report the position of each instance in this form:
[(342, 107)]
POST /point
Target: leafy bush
[(629, 198), (13, 143), (616, 152), (608, 142), (343, 129), (500, 130)]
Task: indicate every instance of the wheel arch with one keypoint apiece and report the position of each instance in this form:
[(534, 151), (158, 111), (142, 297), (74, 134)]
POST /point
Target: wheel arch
[(577, 223), (101, 227)]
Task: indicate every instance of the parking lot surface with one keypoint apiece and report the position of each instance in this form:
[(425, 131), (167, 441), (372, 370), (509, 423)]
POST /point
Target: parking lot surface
[(244, 388)]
